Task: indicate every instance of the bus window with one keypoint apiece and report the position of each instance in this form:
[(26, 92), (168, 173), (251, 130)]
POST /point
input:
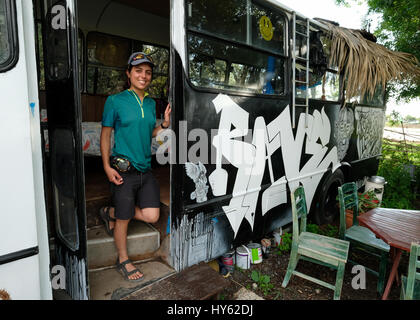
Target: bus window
[(232, 67), (8, 43), (207, 70), (41, 57), (236, 45), (324, 81), (377, 100), (225, 19), (326, 87), (268, 29), (229, 20), (107, 62), (57, 67), (159, 88)]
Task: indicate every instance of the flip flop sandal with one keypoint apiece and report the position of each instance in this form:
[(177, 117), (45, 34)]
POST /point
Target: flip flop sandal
[(121, 268), (104, 213)]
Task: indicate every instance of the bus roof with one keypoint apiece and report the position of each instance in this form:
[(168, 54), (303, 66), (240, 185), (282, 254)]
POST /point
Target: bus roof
[(289, 10)]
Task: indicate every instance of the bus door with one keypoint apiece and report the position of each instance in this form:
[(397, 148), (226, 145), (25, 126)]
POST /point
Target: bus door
[(24, 258), (66, 171)]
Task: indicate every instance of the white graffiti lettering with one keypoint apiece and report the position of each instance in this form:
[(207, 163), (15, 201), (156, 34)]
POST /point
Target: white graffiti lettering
[(267, 139)]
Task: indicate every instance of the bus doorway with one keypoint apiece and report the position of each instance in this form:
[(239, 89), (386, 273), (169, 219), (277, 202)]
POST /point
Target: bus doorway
[(106, 33), (111, 31)]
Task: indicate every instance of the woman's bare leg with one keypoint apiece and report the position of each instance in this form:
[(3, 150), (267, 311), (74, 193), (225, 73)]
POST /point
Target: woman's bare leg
[(150, 215), (120, 238)]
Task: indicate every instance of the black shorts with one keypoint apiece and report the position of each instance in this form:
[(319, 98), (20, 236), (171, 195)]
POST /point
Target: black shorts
[(139, 189)]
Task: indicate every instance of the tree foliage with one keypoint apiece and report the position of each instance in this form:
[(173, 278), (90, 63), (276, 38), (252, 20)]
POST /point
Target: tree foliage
[(398, 30)]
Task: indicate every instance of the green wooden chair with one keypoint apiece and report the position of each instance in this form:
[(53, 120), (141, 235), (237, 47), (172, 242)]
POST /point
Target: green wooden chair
[(361, 238), (410, 285), (315, 248)]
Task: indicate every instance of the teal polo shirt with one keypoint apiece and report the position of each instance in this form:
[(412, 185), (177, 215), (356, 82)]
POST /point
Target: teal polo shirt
[(133, 124)]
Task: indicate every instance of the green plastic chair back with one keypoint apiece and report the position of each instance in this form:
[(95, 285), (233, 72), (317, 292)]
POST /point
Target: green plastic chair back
[(348, 199), (412, 290), (299, 210)]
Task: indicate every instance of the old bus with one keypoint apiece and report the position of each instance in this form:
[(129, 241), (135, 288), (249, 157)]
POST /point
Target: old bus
[(256, 111)]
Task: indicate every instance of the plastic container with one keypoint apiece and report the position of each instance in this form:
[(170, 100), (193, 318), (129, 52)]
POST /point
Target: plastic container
[(256, 253), (376, 183)]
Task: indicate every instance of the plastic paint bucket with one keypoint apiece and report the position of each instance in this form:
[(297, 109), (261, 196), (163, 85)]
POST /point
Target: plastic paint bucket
[(243, 255), (256, 253), (376, 183), (228, 262), (277, 233)]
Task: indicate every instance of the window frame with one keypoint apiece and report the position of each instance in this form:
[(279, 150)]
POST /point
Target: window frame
[(283, 56), (12, 28)]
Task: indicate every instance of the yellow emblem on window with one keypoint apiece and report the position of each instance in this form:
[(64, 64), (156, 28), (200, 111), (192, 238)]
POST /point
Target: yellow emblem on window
[(266, 28)]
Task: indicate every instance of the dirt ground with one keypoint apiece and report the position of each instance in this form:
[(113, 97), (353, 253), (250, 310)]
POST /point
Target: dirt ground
[(275, 266)]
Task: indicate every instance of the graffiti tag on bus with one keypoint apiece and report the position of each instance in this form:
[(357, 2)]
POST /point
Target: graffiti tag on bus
[(266, 140)]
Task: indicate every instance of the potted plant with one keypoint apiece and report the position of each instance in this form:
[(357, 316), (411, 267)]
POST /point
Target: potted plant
[(367, 200)]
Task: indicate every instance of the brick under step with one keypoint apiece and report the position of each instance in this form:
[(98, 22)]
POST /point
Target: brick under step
[(199, 282)]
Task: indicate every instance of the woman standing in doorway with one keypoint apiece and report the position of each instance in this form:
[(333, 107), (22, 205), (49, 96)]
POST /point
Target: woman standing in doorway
[(135, 191)]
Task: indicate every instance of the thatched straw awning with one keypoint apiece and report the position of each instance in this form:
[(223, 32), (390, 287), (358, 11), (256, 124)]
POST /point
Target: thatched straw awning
[(367, 64)]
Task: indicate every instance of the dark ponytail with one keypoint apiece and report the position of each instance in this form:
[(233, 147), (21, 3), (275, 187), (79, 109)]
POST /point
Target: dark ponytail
[(127, 85)]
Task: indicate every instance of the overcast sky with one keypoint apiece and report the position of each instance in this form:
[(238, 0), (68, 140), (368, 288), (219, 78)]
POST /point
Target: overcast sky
[(349, 18)]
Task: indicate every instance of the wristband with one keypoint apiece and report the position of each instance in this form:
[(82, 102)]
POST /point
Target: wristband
[(163, 127)]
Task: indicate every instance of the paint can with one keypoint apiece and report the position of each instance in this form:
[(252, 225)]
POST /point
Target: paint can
[(228, 261), (243, 255), (277, 233), (256, 253)]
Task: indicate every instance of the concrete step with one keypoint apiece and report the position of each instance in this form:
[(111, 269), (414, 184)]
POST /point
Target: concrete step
[(142, 241)]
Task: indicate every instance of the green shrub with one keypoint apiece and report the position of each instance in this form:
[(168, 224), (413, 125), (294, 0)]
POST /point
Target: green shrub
[(285, 244), (313, 228), (330, 231), (325, 230), (398, 192)]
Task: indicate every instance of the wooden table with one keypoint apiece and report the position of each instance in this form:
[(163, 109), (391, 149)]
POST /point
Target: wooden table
[(396, 227)]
